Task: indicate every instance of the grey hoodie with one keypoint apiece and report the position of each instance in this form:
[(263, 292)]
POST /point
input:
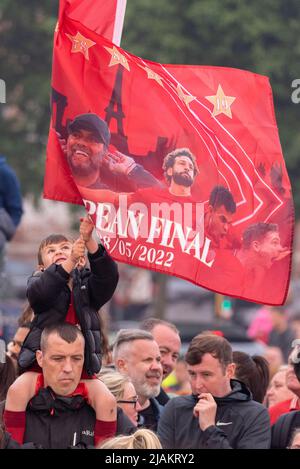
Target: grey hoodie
[(240, 423)]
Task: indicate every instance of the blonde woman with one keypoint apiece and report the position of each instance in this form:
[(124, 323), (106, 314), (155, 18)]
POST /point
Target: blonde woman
[(123, 390), (141, 439)]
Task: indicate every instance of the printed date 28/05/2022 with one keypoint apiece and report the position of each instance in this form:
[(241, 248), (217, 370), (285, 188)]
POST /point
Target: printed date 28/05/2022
[(140, 252)]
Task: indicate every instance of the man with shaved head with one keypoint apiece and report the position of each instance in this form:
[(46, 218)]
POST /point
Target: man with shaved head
[(58, 416)]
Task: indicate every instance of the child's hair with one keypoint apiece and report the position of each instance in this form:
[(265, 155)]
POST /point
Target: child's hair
[(26, 316), (141, 439), (52, 239)]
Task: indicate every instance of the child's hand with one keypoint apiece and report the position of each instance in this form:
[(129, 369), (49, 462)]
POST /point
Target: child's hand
[(78, 250), (86, 229)]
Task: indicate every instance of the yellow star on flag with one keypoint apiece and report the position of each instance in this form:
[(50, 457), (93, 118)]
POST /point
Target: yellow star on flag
[(81, 44), (221, 103), (152, 75), (186, 98), (117, 58)]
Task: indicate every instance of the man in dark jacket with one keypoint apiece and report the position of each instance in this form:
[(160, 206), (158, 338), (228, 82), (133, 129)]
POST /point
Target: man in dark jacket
[(220, 413), (10, 204), (57, 298), (288, 423), (59, 416)]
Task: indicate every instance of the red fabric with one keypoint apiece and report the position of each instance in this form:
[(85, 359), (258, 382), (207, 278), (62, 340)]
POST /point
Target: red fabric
[(15, 424), (71, 315), (87, 12), (104, 430), (218, 333), (282, 408), (160, 108)]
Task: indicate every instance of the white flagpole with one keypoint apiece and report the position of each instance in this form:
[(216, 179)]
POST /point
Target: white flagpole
[(119, 21)]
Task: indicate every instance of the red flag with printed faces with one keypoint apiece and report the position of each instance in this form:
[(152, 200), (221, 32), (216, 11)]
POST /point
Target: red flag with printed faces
[(180, 167)]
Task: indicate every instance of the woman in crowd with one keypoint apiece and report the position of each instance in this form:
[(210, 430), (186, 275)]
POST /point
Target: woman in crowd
[(253, 372), (278, 390), (123, 390)]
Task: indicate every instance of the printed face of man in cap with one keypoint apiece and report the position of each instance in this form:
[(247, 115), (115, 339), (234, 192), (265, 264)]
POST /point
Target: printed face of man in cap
[(84, 152)]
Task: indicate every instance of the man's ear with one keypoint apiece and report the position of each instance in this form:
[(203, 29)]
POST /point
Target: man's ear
[(121, 365), (256, 246), (230, 371), (39, 357), (170, 172)]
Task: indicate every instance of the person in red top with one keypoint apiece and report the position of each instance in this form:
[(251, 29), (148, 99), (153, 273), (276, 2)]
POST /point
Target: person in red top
[(52, 292), (290, 404)]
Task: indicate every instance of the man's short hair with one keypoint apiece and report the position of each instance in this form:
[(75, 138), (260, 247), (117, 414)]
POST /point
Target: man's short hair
[(51, 239), (127, 336), (67, 332), (257, 232), (219, 196), (150, 323), (217, 346), (169, 161)]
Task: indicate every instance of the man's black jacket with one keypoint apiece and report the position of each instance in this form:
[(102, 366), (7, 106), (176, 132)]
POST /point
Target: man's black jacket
[(56, 422), (241, 423), (49, 296)]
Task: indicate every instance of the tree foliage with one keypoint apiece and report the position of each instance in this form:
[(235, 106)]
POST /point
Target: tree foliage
[(261, 36), (25, 55)]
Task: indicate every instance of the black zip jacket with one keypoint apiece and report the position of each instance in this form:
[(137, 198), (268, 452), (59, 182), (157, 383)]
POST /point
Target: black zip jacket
[(240, 423), (49, 296), (56, 422)]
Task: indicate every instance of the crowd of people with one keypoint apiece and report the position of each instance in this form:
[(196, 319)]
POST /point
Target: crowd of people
[(63, 385)]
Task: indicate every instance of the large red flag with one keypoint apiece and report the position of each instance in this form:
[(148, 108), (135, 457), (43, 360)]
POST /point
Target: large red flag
[(105, 17), (194, 183)]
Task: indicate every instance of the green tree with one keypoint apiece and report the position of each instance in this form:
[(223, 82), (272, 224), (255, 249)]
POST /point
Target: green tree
[(25, 55)]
